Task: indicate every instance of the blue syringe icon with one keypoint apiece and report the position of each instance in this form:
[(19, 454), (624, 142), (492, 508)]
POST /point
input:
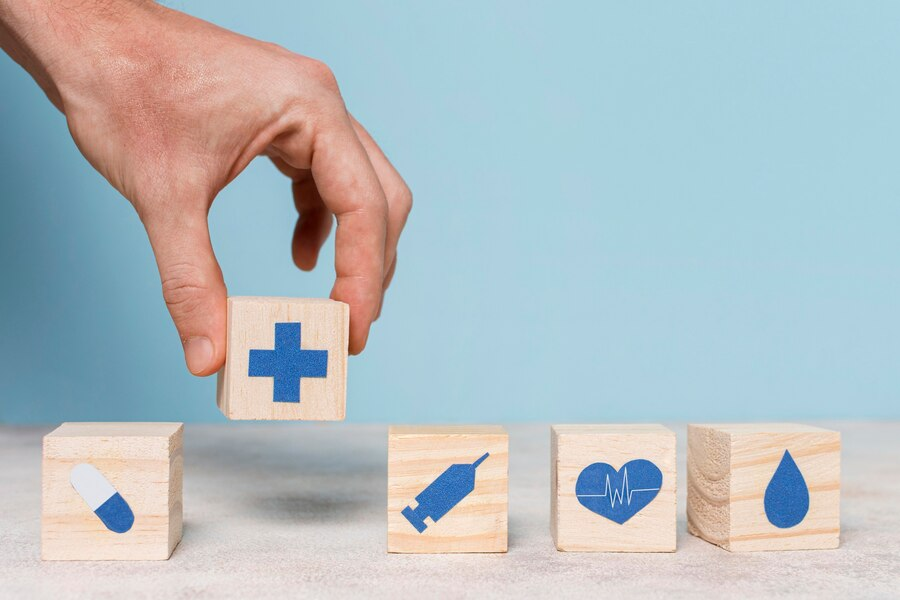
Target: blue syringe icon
[(443, 494)]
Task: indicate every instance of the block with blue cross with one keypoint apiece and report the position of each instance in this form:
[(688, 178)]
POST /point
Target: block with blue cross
[(286, 359), (288, 362)]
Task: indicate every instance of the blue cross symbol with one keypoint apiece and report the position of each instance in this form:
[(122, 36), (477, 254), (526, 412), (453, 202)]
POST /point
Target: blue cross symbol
[(287, 363)]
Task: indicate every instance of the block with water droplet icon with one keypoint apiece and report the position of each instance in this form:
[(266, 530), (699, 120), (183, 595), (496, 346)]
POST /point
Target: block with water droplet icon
[(764, 486)]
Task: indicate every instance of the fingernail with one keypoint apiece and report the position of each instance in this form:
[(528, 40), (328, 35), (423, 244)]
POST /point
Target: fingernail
[(198, 353)]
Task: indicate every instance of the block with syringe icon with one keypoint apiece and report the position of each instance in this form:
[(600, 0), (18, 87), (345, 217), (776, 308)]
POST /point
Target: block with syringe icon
[(447, 489), (445, 492)]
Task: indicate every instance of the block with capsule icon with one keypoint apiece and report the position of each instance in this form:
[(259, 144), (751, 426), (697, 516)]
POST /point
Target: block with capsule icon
[(764, 486), (111, 491), (612, 488), (447, 489), (286, 359)]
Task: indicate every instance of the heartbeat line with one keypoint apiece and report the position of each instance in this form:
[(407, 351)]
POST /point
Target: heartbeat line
[(623, 496)]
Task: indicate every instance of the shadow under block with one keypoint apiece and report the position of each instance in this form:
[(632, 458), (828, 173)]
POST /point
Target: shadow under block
[(744, 492), (447, 489), (141, 462), (283, 342), (612, 488)]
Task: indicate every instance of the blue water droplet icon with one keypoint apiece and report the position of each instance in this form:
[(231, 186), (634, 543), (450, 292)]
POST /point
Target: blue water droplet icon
[(787, 497)]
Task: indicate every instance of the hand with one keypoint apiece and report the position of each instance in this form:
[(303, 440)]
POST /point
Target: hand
[(170, 109)]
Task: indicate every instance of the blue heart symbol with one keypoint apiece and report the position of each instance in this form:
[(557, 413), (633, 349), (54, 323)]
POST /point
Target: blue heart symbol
[(618, 495)]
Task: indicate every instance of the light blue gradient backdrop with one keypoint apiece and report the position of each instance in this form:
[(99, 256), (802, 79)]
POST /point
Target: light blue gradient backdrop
[(678, 210)]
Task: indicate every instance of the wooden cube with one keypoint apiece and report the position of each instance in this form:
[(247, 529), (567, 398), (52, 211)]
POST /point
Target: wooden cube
[(112, 491), (773, 486), (286, 359), (447, 489), (612, 488)]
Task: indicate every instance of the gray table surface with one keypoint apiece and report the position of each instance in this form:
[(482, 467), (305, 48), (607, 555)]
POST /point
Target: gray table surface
[(275, 509)]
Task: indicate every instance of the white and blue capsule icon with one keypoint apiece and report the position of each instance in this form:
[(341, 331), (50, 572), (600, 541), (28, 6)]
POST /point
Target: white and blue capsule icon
[(102, 498)]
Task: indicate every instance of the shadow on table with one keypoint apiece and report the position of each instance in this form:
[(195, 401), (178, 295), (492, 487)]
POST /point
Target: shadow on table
[(292, 478)]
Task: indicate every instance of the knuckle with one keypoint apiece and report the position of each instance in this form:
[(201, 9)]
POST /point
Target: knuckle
[(322, 75), (404, 199), (276, 49), (184, 289), (319, 104)]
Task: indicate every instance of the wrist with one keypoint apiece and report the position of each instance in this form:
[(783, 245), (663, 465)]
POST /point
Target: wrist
[(63, 44)]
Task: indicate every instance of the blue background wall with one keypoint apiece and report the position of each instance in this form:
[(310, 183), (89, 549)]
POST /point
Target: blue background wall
[(669, 211)]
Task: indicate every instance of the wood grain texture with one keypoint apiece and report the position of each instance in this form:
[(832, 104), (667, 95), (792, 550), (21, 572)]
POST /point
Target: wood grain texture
[(574, 527), (419, 455), (251, 325), (729, 469), (144, 463)]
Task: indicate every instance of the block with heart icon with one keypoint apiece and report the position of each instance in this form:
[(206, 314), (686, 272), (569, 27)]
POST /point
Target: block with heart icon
[(613, 488), (286, 359), (764, 486)]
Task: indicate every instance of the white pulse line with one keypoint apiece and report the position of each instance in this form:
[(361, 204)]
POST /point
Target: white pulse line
[(616, 494)]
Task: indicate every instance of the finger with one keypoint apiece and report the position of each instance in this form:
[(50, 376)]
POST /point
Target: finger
[(397, 193), (313, 223), (192, 285), (286, 169), (387, 282), (349, 188), (390, 274)]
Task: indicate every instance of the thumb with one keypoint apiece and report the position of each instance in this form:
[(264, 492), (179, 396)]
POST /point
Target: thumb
[(192, 286)]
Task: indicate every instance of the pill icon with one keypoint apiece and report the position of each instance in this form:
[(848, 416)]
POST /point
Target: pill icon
[(102, 498)]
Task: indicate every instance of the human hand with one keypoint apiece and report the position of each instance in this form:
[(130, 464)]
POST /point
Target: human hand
[(170, 109)]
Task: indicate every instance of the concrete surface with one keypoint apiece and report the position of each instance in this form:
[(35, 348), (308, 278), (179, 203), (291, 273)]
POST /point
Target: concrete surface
[(273, 510)]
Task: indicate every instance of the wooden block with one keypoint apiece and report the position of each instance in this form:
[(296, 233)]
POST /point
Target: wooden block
[(286, 359), (612, 488), (768, 486), (447, 489), (112, 491)]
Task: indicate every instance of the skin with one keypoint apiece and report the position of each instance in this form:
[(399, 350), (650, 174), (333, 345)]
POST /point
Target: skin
[(170, 109)]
